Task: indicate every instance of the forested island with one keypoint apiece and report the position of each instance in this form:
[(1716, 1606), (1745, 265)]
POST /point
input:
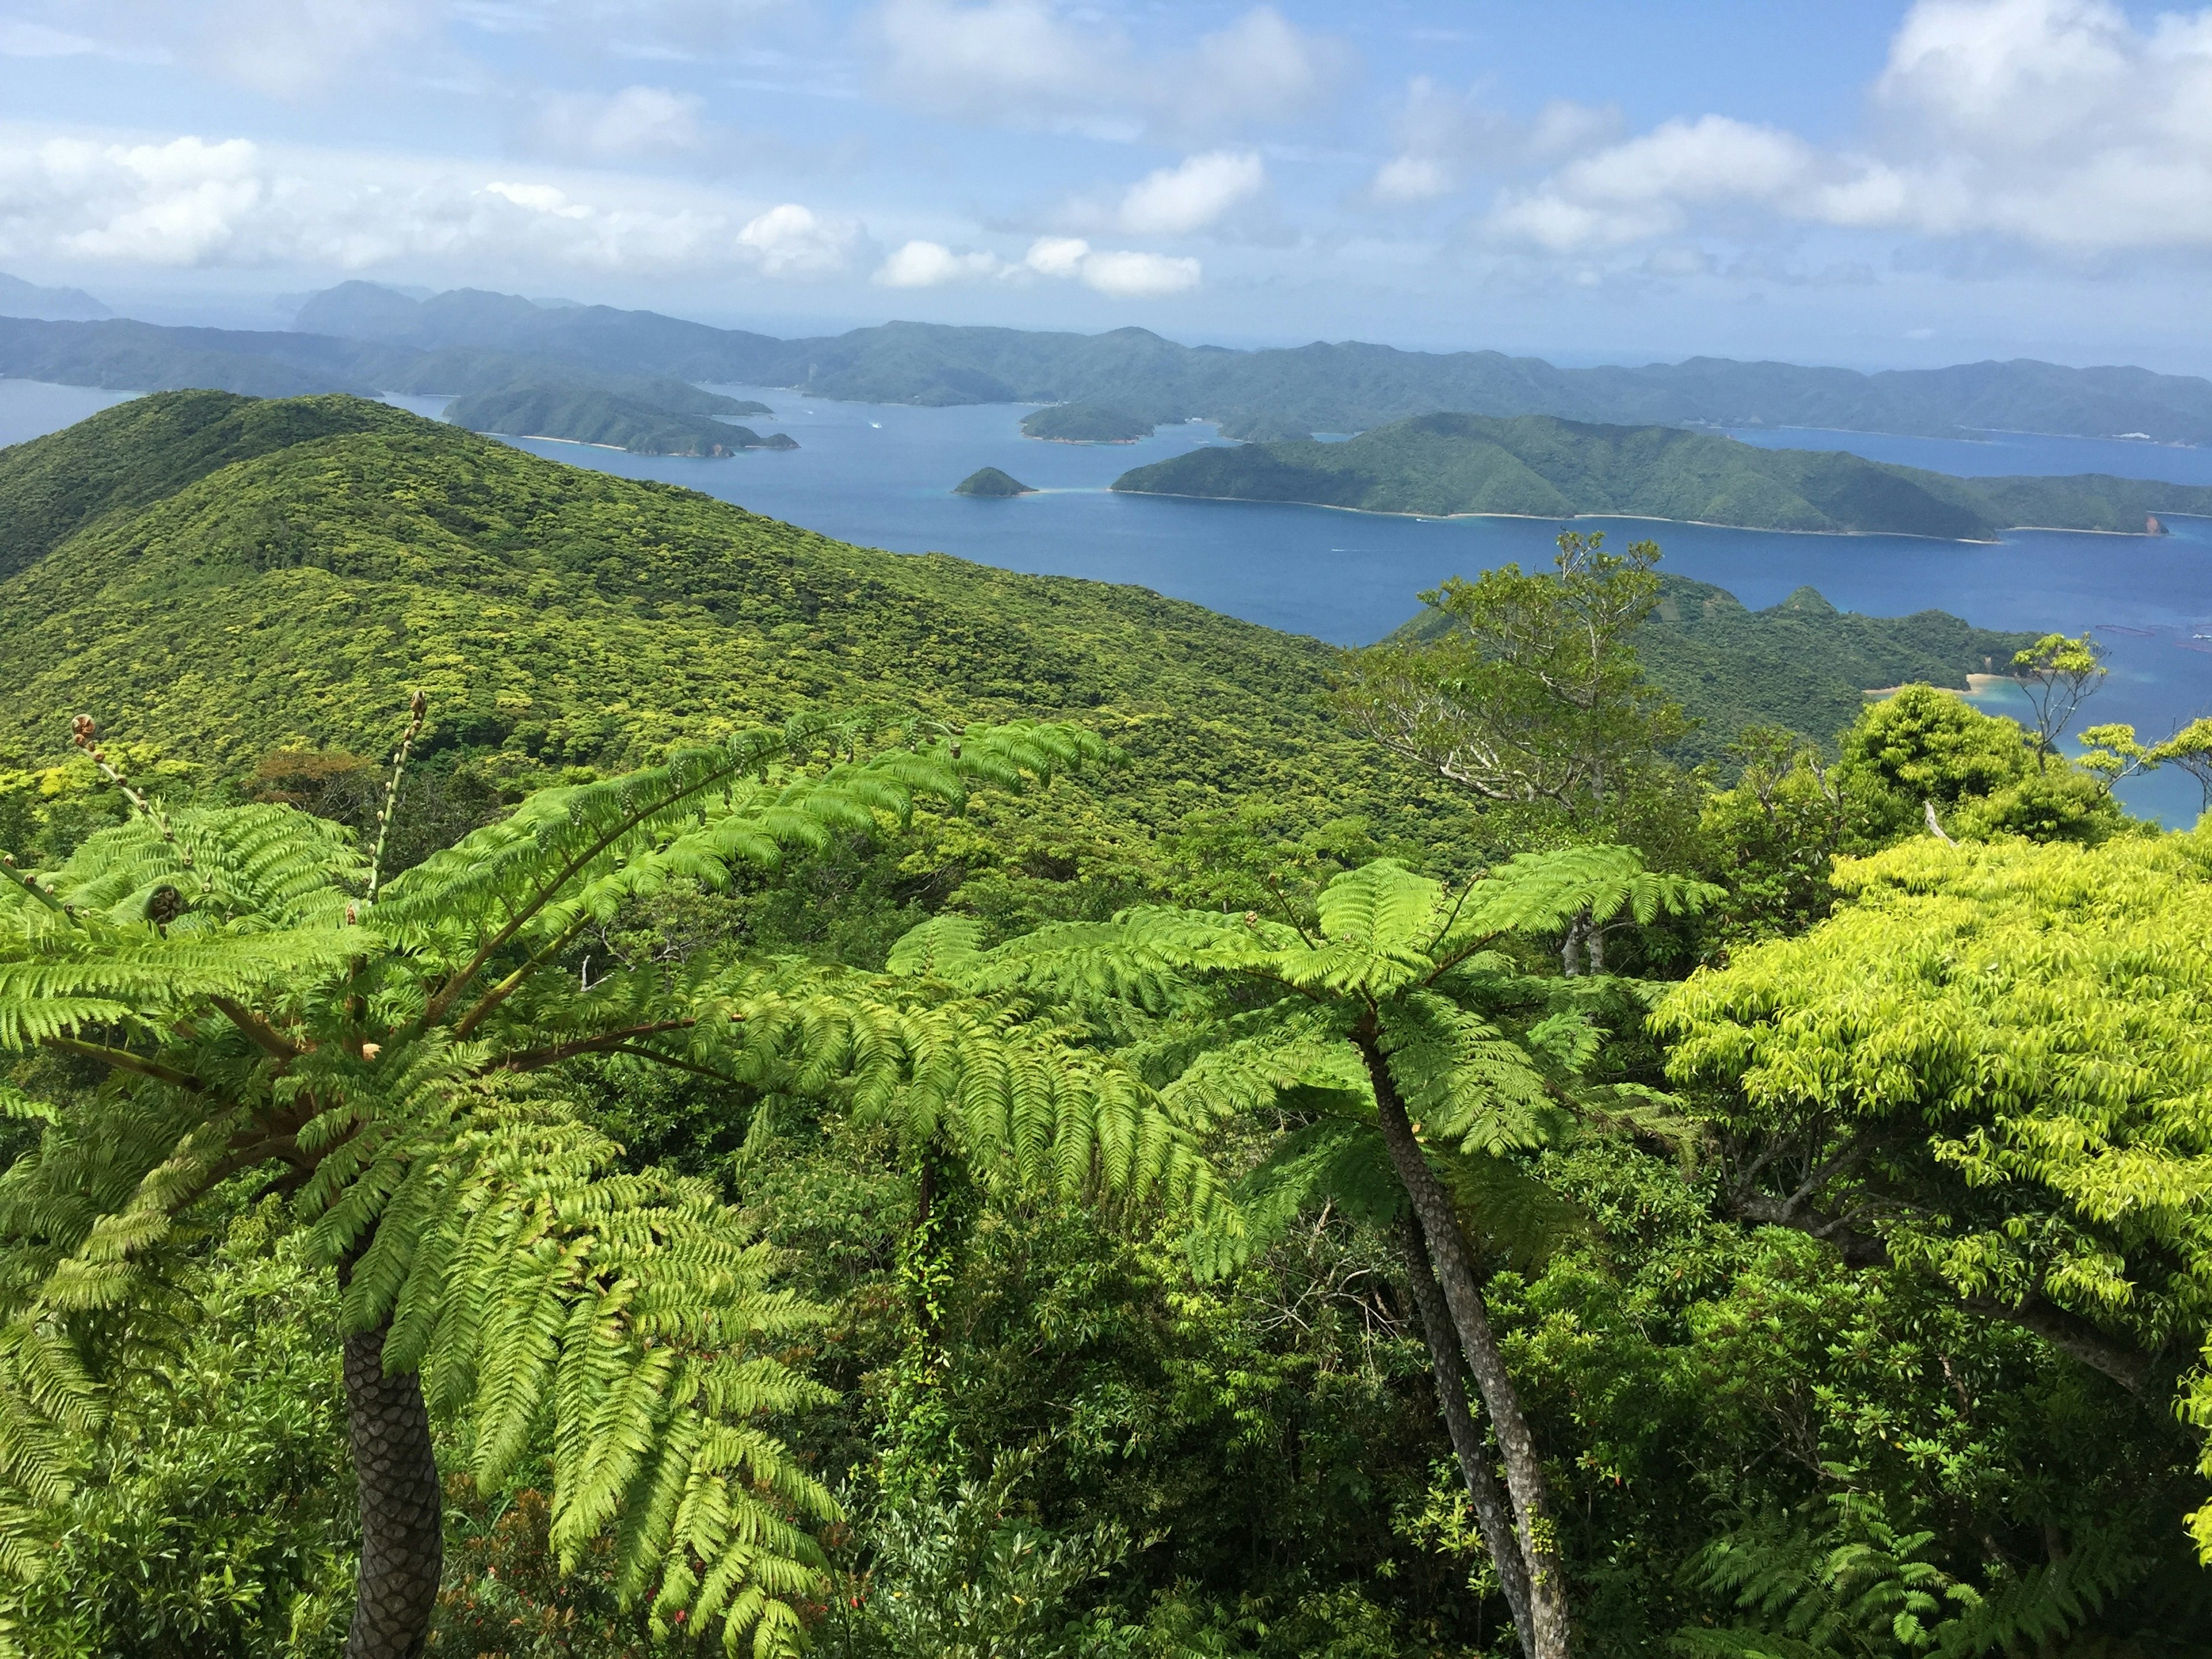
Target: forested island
[(989, 481), (1537, 466), (587, 1073), (594, 414), (1085, 423)]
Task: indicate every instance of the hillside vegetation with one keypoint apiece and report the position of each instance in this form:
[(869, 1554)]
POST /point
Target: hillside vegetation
[(266, 592), (678, 1160), (1537, 466), (220, 575), (1802, 664)]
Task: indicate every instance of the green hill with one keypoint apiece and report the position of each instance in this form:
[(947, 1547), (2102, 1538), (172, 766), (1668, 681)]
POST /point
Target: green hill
[(1086, 423), (1538, 466), (594, 414), (220, 577), (265, 592)]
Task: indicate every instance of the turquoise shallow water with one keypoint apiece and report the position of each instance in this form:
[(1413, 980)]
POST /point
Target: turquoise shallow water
[(882, 475)]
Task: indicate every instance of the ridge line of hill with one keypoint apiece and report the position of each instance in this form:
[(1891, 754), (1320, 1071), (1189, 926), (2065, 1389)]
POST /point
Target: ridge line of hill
[(360, 337)]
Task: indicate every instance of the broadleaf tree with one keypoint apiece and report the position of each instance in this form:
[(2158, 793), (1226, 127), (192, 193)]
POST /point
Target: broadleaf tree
[(1987, 1070)]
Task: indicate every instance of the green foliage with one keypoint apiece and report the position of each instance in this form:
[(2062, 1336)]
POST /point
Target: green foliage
[(1981, 775), (1539, 466), (2034, 1015), (1535, 694), (215, 1513), (254, 1008), (964, 1574), (559, 618)]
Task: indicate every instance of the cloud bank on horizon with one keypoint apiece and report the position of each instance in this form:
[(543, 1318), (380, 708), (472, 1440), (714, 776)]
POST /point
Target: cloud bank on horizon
[(1945, 165)]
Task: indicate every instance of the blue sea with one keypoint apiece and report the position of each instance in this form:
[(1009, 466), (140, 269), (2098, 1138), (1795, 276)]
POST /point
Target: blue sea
[(882, 475)]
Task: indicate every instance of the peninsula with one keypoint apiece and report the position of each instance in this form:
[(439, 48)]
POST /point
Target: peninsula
[(582, 413), (1539, 466), (1086, 423)]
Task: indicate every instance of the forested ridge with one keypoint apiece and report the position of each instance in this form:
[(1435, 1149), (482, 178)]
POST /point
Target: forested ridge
[(1537, 466), (584, 1072), (362, 337)]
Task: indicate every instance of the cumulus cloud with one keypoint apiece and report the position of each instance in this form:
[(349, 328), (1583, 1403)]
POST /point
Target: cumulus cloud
[(1175, 201), (1029, 62), (1139, 275), (1057, 256), (2062, 124), (1120, 274), (192, 201), (793, 242), (635, 122), (932, 264)]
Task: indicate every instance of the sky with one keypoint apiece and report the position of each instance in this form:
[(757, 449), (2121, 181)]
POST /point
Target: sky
[(1868, 185)]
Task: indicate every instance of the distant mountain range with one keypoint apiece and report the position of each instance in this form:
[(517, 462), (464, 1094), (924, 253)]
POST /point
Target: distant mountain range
[(361, 336), (20, 299), (1539, 466)]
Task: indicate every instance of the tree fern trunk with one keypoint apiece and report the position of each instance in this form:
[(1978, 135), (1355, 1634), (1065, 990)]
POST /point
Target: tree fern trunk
[(402, 1545), (1492, 1514), (1454, 1266)]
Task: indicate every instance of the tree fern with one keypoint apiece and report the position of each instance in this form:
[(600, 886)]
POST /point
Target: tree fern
[(1375, 1039), (261, 1007)]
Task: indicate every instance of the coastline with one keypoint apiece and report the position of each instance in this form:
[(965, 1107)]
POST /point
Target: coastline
[(1571, 518)]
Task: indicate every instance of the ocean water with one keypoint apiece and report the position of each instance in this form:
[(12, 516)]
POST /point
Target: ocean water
[(882, 475), (31, 409)]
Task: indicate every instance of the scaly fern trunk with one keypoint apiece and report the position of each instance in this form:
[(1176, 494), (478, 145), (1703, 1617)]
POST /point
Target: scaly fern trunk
[(402, 1543), (1536, 1530), (1492, 1514)]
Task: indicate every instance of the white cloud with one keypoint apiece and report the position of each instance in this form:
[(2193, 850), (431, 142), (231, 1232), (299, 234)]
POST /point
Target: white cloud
[(791, 240), (192, 203), (1028, 62), (2062, 124), (1139, 275), (635, 122), (1175, 201), (1057, 256), (932, 264)]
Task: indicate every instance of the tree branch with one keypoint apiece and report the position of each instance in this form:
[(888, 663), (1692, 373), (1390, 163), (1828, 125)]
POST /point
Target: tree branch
[(123, 1060), (265, 1036), (536, 1059)]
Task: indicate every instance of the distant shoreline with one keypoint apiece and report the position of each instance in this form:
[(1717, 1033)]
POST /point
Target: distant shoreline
[(1643, 517)]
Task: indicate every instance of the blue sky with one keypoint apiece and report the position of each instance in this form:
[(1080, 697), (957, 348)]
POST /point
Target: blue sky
[(1871, 185)]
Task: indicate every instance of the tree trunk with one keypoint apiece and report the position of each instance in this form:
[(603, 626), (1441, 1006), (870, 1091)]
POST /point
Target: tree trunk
[(1570, 946), (402, 1539), (1492, 1514), (1455, 1265)]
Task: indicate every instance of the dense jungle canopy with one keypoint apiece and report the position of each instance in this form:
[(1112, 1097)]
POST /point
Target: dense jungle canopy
[(586, 1073)]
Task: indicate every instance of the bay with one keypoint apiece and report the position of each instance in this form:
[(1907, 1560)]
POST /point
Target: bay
[(882, 475)]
